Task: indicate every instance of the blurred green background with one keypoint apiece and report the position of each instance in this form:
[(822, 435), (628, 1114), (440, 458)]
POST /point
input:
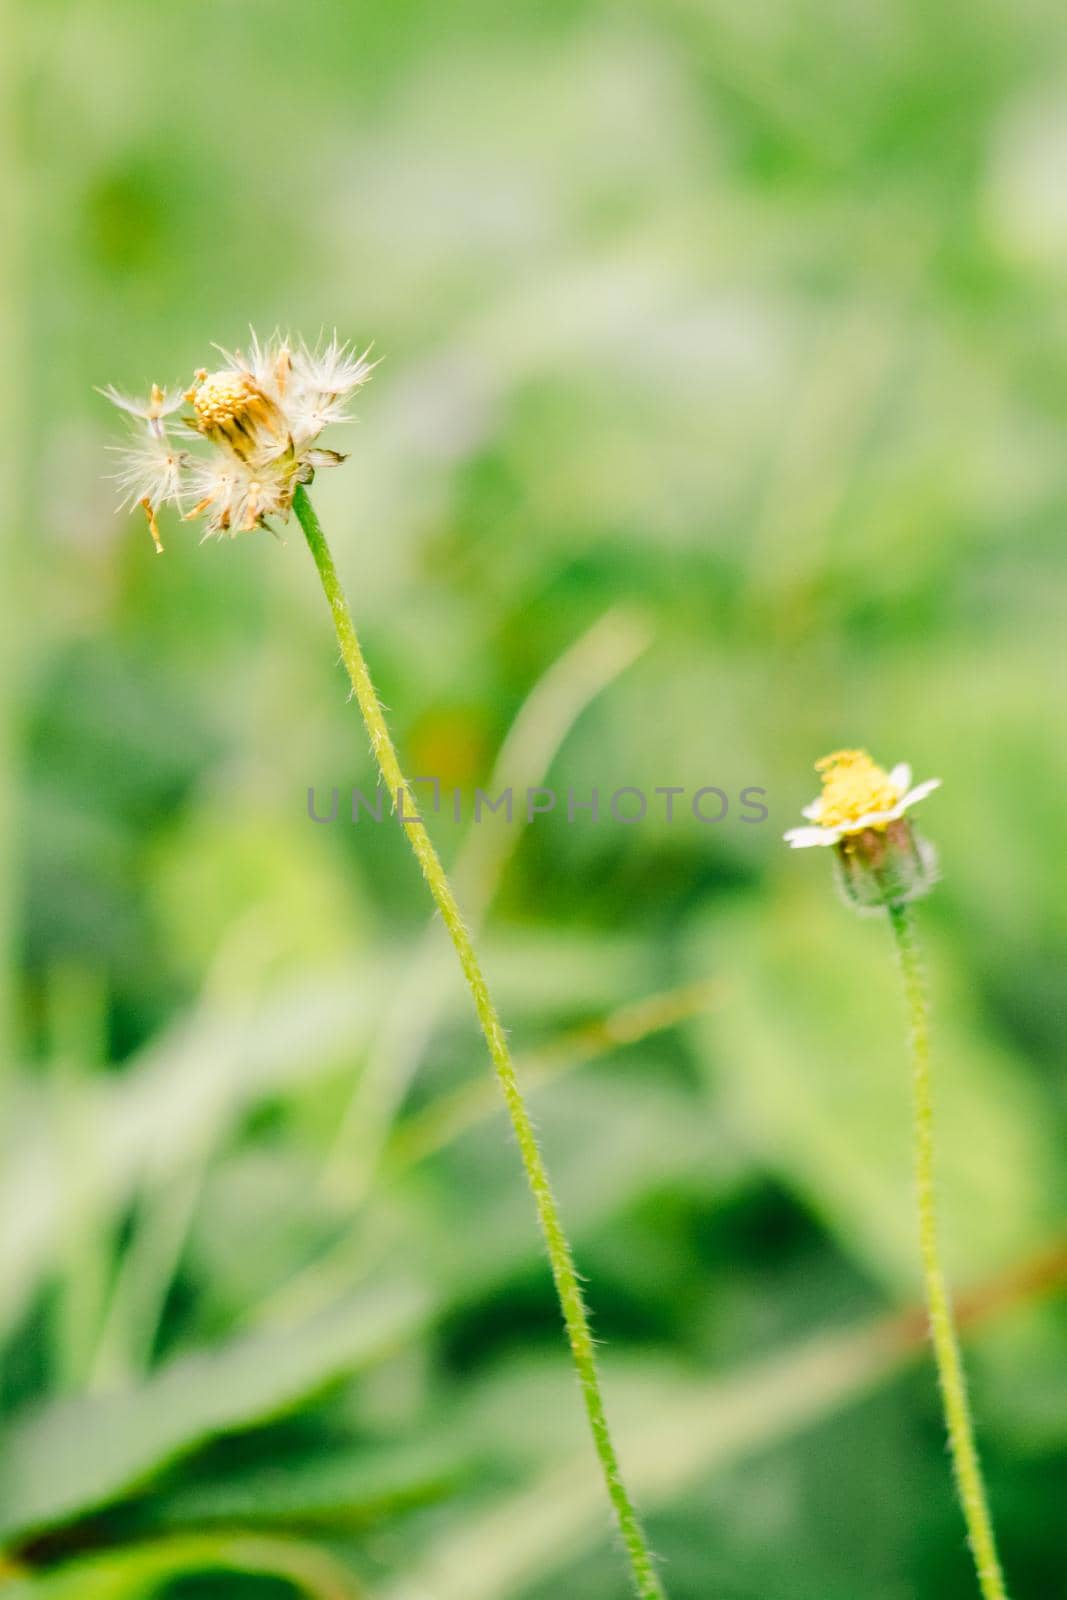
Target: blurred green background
[(719, 423)]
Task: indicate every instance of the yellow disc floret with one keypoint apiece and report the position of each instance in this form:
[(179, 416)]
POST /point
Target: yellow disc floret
[(853, 786), (222, 398), (232, 409)]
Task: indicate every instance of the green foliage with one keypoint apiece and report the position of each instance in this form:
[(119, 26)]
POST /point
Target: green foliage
[(748, 321)]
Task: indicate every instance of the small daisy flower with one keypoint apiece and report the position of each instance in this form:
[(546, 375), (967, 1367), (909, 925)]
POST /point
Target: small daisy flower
[(862, 812), (257, 420), (857, 794)]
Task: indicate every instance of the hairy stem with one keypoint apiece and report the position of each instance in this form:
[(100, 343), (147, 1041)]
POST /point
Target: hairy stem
[(943, 1334), (568, 1288)]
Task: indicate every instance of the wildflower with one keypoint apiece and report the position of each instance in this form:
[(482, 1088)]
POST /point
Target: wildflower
[(882, 864), (257, 419), (257, 422), (862, 811)]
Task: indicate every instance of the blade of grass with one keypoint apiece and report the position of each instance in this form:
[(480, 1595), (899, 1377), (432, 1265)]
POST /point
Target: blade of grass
[(130, 1571), (546, 717), (449, 1116)]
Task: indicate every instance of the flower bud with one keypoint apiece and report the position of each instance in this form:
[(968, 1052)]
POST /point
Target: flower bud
[(884, 867)]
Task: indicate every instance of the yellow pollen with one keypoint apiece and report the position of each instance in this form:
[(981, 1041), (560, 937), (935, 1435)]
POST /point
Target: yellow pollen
[(225, 398), (852, 787)]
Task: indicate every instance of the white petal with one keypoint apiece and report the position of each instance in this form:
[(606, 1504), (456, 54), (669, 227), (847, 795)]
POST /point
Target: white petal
[(876, 819), (802, 838), (814, 811), (900, 777), (920, 791)]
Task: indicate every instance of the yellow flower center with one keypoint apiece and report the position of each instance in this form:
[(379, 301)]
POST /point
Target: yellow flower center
[(232, 409), (223, 397), (852, 787)]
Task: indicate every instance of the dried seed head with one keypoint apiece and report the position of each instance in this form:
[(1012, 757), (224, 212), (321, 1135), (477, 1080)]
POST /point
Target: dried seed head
[(261, 418)]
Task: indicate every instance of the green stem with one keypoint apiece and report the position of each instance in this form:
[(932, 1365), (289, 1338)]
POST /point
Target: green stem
[(568, 1288), (943, 1334)]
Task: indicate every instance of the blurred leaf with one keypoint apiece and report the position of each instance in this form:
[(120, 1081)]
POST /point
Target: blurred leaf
[(189, 1088), (268, 885), (671, 1429), (77, 1455), (464, 1221), (320, 1487), (811, 1053), (136, 1573)]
